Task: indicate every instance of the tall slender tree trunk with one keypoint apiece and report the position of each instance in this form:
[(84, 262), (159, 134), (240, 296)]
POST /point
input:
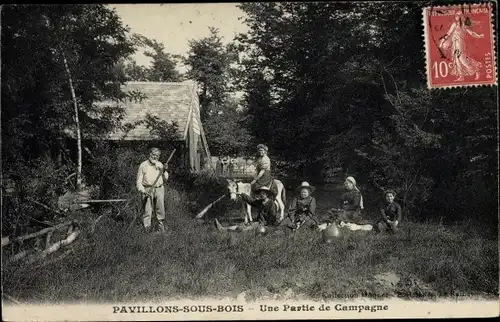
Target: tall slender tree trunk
[(77, 123)]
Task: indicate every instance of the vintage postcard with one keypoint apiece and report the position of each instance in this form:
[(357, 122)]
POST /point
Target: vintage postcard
[(249, 161)]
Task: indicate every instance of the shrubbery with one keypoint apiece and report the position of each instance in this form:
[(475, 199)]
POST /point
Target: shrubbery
[(25, 187)]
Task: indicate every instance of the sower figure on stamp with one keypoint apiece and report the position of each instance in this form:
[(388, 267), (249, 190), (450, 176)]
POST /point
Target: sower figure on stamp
[(151, 177), (454, 40), (302, 210)]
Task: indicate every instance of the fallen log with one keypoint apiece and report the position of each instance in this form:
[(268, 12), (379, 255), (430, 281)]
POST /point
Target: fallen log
[(43, 231), (18, 256), (46, 223), (55, 260), (38, 243), (54, 247), (48, 250), (7, 240), (48, 237)]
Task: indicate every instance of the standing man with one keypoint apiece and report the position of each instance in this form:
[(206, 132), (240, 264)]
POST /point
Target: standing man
[(153, 196)]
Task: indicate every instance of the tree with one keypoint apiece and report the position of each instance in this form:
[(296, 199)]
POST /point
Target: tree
[(227, 133), (258, 107), (134, 72), (163, 64), (76, 46), (210, 64)]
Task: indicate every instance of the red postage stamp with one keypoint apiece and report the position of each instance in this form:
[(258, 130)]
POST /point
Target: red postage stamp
[(459, 45)]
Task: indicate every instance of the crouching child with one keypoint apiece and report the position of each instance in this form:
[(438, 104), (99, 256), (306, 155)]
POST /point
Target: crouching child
[(390, 212), (267, 210)]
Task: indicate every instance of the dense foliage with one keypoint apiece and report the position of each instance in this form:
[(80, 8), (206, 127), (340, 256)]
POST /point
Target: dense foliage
[(343, 85), (37, 109), (46, 50)]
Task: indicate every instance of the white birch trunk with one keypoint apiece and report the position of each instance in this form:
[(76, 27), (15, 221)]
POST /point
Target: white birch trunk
[(77, 123)]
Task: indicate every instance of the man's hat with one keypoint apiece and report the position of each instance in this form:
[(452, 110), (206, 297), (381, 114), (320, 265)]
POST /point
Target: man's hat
[(306, 185), (266, 189)]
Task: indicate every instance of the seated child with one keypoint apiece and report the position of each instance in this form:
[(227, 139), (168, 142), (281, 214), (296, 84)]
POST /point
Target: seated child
[(390, 212), (302, 210)]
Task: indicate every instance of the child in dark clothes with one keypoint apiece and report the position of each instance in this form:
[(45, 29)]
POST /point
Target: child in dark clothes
[(268, 210), (390, 212), (302, 210)]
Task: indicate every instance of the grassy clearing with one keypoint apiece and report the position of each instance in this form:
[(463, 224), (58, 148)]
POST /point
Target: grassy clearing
[(196, 261)]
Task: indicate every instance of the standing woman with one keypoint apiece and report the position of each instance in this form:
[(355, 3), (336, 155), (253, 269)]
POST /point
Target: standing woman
[(263, 168)]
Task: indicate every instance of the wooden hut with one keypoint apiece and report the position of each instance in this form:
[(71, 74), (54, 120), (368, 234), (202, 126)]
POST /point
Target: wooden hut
[(171, 102)]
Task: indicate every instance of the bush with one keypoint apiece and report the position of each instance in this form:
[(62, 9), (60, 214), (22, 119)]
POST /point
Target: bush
[(201, 188), (40, 180)]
